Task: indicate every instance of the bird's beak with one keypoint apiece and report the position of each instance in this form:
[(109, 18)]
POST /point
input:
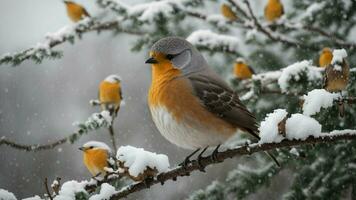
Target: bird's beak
[(81, 148), (151, 61)]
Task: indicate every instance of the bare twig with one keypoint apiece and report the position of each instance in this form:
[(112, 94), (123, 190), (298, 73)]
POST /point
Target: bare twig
[(221, 156), (112, 136), (47, 189), (33, 147), (239, 9)]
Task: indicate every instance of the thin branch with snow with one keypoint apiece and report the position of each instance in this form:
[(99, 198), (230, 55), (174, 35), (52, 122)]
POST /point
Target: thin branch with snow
[(196, 165)]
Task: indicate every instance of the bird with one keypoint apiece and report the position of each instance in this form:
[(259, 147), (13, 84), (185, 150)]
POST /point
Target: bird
[(76, 12), (273, 10), (227, 12), (325, 57), (336, 76), (110, 95), (191, 106), (96, 157), (242, 70)]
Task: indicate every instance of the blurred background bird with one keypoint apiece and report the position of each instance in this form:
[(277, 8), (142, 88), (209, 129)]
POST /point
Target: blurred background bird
[(76, 12), (273, 10), (227, 12), (325, 57), (336, 79), (96, 157), (190, 104), (110, 97), (242, 70)]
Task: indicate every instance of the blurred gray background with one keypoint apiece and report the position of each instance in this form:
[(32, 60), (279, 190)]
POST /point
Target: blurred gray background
[(39, 103)]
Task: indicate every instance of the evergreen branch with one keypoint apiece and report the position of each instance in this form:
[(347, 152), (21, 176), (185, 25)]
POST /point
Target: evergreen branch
[(94, 122), (196, 165), (239, 9), (66, 34)]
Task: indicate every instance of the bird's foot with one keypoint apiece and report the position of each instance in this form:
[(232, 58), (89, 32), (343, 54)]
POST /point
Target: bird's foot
[(199, 159), (186, 161), (147, 181)]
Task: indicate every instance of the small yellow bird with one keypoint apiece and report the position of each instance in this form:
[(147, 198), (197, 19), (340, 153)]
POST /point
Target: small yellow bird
[(76, 12), (242, 70), (96, 157), (110, 94), (325, 57), (227, 12), (273, 10)]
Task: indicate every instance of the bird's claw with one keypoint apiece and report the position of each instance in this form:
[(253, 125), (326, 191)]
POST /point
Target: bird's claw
[(214, 155), (187, 160), (200, 157)]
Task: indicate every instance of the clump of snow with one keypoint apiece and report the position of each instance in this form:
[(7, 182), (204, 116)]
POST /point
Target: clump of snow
[(267, 77), (247, 95), (6, 195), (106, 191), (294, 71), (113, 78), (299, 126), (342, 132), (317, 99), (217, 19), (213, 40), (338, 56), (149, 11), (294, 151), (137, 160), (269, 126), (97, 144), (96, 120), (70, 188)]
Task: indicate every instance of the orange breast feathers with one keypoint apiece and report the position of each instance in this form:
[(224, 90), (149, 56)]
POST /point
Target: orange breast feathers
[(325, 58), (95, 160), (109, 93), (76, 12), (273, 10), (176, 95), (242, 71)]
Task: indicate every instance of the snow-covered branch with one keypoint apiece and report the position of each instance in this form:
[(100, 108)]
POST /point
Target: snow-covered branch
[(68, 33), (196, 165), (94, 122)]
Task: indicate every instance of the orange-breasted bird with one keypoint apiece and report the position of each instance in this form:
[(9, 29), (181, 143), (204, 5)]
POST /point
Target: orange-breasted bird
[(227, 12), (76, 12), (96, 157), (273, 10), (325, 57), (110, 95), (190, 104), (242, 70)]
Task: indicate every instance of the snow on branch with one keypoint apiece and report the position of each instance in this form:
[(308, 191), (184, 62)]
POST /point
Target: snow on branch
[(206, 39), (68, 33), (94, 122), (195, 165)]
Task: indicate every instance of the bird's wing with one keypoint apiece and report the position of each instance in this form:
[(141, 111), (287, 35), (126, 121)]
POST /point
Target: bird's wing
[(327, 69), (221, 100), (85, 12), (251, 69)]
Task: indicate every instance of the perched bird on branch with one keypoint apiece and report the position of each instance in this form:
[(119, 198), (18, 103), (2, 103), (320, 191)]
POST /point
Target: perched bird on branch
[(242, 70), (227, 12), (96, 157), (273, 10), (190, 104), (110, 95), (76, 12), (325, 57), (336, 76)]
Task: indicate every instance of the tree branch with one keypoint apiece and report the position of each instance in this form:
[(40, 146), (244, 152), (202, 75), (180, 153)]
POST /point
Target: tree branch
[(230, 153)]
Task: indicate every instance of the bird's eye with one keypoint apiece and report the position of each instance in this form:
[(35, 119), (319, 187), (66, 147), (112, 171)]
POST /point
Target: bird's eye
[(91, 147), (170, 56)]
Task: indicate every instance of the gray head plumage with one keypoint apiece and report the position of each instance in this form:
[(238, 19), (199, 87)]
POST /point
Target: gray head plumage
[(184, 55)]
